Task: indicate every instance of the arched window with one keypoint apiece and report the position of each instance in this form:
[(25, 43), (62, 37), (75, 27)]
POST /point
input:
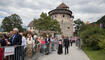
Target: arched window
[(63, 15), (54, 16)]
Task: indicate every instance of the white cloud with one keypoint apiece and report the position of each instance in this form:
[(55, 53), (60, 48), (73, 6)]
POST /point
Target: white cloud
[(1, 20), (3, 13), (90, 10)]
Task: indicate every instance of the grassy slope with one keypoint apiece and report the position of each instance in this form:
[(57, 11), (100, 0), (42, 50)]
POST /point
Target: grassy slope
[(95, 55)]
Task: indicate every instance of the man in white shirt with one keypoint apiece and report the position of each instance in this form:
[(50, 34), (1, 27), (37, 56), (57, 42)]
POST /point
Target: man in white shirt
[(23, 45)]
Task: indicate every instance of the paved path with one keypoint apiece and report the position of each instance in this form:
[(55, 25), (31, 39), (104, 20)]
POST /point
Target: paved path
[(74, 54)]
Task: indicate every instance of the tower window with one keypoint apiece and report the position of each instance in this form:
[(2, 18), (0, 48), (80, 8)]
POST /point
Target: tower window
[(68, 27), (55, 15), (63, 15)]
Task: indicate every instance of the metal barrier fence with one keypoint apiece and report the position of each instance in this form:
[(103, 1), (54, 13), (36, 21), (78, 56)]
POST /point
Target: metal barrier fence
[(24, 53)]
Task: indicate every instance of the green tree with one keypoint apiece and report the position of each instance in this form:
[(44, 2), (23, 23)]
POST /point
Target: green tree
[(10, 22), (102, 44), (78, 24), (91, 36), (46, 23)]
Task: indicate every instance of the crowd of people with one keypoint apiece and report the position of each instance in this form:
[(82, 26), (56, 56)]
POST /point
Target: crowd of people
[(26, 44)]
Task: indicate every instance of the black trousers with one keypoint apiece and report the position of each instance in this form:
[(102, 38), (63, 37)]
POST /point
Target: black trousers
[(17, 55), (47, 48), (66, 50), (71, 43)]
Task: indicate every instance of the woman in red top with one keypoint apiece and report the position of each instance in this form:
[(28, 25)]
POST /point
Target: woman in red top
[(43, 46)]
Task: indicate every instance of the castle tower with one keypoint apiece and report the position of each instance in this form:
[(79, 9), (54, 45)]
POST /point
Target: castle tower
[(64, 16)]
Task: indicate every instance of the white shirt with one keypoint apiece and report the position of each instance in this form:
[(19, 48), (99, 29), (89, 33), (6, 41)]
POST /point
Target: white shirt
[(24, 41)]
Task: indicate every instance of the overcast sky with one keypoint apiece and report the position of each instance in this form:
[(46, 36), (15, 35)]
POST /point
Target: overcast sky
[(90, 10)]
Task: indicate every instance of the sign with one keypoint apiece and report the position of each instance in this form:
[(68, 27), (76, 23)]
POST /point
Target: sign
[(9, 51)]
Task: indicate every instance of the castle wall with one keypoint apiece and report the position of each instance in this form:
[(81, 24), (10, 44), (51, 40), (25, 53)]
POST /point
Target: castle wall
[(66, 23)]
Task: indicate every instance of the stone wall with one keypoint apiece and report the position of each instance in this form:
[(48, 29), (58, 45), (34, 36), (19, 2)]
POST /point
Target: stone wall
[(66, 23)]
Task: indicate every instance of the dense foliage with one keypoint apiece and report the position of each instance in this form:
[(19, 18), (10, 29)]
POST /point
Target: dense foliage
[(92, 36), (78, 24), (10, 22), (46, 23)]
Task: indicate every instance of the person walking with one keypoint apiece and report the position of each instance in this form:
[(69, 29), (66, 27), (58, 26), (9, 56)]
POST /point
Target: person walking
[(71, 42), (66, 45), (60, 46)]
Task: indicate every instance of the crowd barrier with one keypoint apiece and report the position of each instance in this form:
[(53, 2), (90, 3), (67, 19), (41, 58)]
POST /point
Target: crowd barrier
[(23, 52)]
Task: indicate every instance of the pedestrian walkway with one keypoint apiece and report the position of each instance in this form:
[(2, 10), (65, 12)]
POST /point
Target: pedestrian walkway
[(74, 54)]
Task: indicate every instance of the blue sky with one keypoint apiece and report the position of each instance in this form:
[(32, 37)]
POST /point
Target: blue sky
[(90, 10)]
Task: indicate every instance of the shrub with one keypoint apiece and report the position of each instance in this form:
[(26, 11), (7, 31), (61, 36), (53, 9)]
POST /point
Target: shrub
[(91, 36), (102, 44)]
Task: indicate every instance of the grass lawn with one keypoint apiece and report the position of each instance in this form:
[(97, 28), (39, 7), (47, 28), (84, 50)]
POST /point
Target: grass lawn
[(95, 55)]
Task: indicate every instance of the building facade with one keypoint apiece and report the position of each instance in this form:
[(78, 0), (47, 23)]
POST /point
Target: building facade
[(64, 16), (31, 27)]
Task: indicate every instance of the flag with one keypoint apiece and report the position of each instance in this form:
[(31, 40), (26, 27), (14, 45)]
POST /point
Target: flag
[(87, 22), (100, 25)]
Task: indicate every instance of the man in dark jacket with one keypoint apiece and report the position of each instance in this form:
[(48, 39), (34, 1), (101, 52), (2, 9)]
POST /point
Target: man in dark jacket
[(15, 41), (16, 38), (66, 44)]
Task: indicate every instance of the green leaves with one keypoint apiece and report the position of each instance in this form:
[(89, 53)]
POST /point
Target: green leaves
[(102, 44), (11, 22), (78, 25), (91, 36), (46, 23)]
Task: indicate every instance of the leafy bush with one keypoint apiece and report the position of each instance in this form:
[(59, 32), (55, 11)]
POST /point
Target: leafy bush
[(91, 36), (102, 44)]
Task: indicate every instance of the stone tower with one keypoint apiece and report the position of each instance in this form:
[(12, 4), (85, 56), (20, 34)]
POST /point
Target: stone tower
[(64, 16)]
